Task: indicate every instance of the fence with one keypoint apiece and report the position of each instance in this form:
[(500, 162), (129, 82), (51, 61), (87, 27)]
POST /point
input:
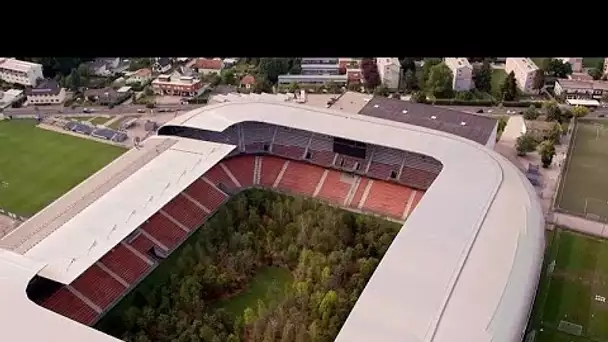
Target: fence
[(563, 172)]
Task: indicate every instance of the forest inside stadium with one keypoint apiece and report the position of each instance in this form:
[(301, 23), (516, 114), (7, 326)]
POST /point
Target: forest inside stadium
[(328, 254)]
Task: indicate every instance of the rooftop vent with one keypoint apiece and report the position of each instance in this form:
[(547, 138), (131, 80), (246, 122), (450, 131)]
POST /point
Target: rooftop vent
[(404, 111), (376, 106), (462, 123), (433, 117)]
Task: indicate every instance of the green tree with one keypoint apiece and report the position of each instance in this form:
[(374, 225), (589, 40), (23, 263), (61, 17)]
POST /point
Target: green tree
[(555, 133), (580, 111), (440, 81), (547, 151), (508, 90), (228, 77), (410, 81), (558, 68), (595, 73), (553, 112), (271, 68), (531, 113), (429, 63), (483, 77), (75, 82), (524, 144), (419, 97)]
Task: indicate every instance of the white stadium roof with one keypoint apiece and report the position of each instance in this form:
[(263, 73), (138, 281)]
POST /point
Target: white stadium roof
[(463, 268)]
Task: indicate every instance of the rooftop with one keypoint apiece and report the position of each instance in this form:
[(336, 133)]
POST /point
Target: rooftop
[(145, 72), (474, 127), (248, 79), (207, 63), (46, 87), (458, 62), (582, 84), (15, 64)]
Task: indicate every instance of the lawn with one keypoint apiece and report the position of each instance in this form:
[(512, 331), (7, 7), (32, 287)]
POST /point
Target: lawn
[(268, 284), (498, 78), (100, 120), (78, 118), (584, 182), (39, 166), (592, 62), (573, 289)]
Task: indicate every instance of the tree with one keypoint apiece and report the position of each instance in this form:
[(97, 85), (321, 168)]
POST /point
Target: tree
[(369, 70), (595, 73), (556, 133), (554, 113), (539, 80), (407, 64), (483, 77), (215, 79), (580, 111), (410, 81), (271, 68), (429, 63), (228, 77), (440, 81), (557, 68), (508, 90), (261, 85), (531, 113), (75, 80), (525, 143), (546, 151)]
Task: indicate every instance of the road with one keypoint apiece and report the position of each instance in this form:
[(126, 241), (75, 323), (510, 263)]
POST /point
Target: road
[(127, 108)]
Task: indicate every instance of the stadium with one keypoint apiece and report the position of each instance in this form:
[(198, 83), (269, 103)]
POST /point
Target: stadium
[(464, 266)]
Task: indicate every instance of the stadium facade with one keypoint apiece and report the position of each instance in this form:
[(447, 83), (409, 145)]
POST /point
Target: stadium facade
[(464, 267)]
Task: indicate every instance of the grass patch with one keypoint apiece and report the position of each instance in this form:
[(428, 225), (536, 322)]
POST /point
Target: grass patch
[(592, 62), (100, 120), (267, 285), (584, 183), (39, 166), (498, 78), (116, 124), (575, 272)]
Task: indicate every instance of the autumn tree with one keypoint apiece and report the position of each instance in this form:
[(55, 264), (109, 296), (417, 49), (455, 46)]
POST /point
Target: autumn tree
[(369, 70)]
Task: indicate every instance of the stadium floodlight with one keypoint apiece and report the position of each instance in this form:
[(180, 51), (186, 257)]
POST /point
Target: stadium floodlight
[(114, 227), (182, 175)]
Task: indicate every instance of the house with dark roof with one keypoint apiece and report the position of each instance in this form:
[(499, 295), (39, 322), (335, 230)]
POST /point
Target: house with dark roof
[(162, 65), (107, 96), (47, 92)]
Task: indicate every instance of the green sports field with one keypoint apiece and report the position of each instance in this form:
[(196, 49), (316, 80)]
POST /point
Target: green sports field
[(571, 304), (38, 166), (584, 188)]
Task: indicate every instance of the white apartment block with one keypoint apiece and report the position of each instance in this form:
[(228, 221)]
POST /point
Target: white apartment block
[(20, 72), (524, 70), (389, 69), (462, 72), (576, 62)]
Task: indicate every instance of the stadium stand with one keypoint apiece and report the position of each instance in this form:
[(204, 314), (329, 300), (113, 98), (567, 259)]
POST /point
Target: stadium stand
[(313, 173)]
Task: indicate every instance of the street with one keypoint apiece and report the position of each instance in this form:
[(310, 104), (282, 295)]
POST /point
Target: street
[(128, 108)]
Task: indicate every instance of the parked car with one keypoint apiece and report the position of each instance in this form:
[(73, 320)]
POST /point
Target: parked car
[(141, 110)]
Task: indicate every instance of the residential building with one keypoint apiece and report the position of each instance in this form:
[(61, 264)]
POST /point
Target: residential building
[(46, 92), (605, 65), (524, 70), (10, 97), (462, 73), (228, 62), (104, 67), (162, 65), (313, 79), (20, 72), (108, 96), (352, 67), (208, 65), (575, 62), (176, 84), (141, 76), (577, 89), (389, 69), (580, 76), (320, 69), (247, 82)]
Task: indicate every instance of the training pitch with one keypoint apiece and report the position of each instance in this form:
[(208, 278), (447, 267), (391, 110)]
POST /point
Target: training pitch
[(571, 303), (584, 189), (38, 166)]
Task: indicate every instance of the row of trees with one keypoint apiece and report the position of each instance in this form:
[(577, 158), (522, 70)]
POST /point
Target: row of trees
[(330, 252)]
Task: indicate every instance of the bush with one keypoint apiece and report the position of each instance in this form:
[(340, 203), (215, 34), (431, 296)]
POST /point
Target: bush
[(68, 102), (149, 105), (531, 113), (525, 143)]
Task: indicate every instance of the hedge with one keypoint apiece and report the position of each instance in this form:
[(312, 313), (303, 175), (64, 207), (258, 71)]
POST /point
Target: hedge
[(484, 103)]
